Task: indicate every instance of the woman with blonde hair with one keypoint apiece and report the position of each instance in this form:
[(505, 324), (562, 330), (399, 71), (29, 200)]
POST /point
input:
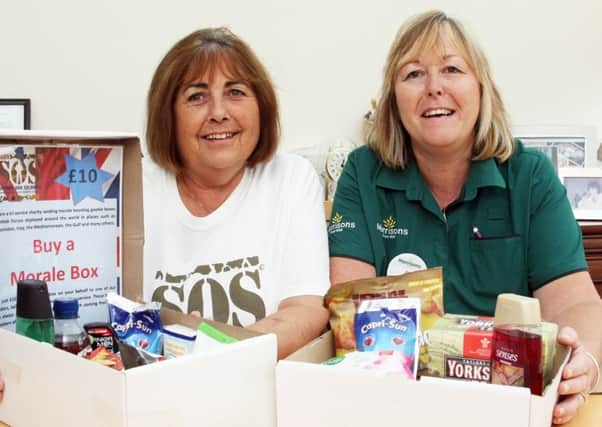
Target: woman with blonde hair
[(443, 183)]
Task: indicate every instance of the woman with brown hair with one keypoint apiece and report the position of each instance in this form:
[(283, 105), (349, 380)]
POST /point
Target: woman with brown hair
[(443, 183), (232, 230)]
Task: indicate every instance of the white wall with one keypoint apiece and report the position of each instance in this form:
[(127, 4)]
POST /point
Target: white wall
[(87, 65)]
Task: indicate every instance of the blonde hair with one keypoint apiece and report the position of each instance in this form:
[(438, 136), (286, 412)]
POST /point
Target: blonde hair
[(389, 138), (206, 51)]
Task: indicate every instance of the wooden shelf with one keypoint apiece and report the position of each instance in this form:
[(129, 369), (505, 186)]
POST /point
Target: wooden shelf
[(592, 243)]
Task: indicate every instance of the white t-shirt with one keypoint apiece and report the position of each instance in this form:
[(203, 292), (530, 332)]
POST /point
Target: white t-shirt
[(265, 243)]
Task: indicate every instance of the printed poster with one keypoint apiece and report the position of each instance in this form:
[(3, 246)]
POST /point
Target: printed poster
[(60, 222)]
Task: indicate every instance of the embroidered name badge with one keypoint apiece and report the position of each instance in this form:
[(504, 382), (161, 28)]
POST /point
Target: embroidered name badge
[(338, 224), (389, 230)]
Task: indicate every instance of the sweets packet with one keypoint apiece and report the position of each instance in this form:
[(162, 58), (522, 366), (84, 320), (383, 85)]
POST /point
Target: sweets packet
[(135, 323), (343, 300)]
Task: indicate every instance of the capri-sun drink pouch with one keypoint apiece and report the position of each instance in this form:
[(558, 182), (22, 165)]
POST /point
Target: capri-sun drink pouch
[(136, 324), (390, 325)]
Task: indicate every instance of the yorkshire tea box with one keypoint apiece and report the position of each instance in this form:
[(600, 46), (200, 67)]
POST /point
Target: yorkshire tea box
[(460, 347), (310, 393), (74, 218)]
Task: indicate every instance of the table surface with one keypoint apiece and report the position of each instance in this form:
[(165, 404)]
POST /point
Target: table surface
[(589, 415)]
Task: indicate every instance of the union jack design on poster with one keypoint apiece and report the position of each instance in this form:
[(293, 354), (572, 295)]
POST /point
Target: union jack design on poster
[(60, 215), (42, 173)]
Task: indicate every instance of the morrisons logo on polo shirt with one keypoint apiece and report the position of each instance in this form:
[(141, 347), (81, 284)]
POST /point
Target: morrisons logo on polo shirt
[(388, 230), (337, 224)]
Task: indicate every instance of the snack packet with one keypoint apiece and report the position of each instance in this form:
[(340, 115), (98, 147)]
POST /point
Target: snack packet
[(105, 357), (343, 299), (135, 323)]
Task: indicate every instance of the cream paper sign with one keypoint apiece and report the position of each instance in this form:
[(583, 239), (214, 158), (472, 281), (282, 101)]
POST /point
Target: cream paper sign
[(60, 222)]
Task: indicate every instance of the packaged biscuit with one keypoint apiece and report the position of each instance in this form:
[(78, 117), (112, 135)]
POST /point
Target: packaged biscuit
[(343, 300), (460, 347)]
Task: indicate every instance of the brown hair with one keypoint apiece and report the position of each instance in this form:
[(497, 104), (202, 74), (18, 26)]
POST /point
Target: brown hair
[(390, 139), (200, 52)]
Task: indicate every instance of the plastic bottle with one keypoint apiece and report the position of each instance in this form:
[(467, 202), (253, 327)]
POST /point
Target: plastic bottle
[(69, 335), (34, 316)]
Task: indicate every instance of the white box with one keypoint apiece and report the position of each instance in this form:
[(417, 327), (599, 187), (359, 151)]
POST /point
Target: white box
[(232, 386), (309, 394)]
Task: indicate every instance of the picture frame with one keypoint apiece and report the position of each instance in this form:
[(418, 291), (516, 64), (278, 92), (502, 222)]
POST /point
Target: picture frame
[(584, 191), (565, 146), (15, 113)]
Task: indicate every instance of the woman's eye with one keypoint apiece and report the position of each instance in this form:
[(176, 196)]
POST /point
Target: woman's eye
[(196, 97), (452, 69), (236, 92), (414, 74)]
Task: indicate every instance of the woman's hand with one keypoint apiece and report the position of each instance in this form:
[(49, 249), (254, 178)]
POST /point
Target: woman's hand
[(577, 380)]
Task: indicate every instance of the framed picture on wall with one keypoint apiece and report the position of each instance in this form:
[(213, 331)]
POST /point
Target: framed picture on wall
[(15, 114), (584, 191), (565, 146)]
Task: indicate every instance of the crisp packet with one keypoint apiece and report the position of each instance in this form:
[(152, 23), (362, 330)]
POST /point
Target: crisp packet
[(135, 323), (106, 357)]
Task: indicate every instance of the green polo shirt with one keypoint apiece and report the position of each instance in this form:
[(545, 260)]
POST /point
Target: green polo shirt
[(527, 235)]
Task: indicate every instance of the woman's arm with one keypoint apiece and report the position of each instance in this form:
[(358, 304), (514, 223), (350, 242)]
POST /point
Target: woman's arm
[(346, 269), (297, 321), (573, 303)]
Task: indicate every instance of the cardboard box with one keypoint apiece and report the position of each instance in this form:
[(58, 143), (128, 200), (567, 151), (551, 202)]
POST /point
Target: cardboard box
[(232, 386), (45, 386), (309, 393)]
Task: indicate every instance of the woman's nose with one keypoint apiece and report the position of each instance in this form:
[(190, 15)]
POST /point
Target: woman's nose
[(218, 111), (434, 85)]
